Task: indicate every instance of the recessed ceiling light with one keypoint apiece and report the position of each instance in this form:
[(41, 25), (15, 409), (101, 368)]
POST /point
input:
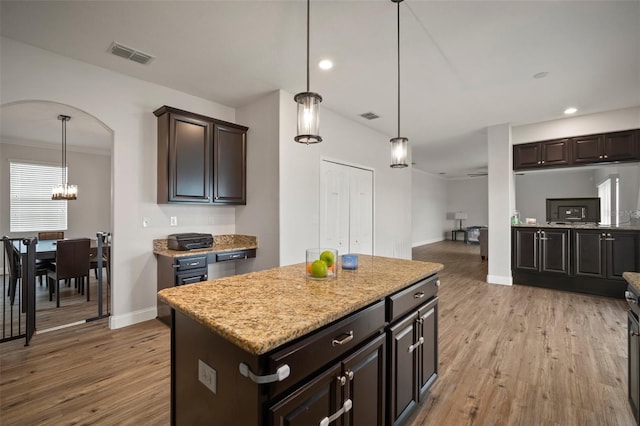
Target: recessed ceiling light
[(542, 74), (570, 111), (325, 64)]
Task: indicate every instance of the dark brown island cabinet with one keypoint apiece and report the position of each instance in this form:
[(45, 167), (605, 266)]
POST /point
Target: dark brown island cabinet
[(582, 260), (600, 148), (633, 349), (369, 367), (201, 160)]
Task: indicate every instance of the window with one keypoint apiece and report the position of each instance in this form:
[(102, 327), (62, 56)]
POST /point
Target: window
[(31, 206)]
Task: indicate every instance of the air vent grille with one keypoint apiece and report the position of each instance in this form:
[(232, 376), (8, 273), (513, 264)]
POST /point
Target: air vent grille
[(369, 115), (129, 53)]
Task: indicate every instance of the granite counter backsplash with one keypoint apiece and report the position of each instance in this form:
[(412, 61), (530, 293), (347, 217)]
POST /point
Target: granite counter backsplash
[(221, 243), (262, 310)]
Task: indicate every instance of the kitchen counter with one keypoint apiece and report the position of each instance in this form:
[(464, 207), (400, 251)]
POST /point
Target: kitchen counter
[(633, 278), (260, 311), (578, 226), (221, 244)]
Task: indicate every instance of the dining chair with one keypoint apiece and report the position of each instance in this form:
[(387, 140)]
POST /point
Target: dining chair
[(43, 266), (72, 261), (15, 270)]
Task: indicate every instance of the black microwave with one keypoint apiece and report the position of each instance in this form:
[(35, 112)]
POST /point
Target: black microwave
[(571, 210)]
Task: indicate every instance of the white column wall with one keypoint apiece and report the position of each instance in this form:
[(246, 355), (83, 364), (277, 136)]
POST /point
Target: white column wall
[(501, 203)]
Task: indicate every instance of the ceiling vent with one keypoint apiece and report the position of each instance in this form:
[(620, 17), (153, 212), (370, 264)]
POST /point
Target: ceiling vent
[(129, 53), (369, 115)]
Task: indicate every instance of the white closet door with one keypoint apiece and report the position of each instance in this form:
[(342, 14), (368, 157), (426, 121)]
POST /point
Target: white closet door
[(361, 211), (334, 206)]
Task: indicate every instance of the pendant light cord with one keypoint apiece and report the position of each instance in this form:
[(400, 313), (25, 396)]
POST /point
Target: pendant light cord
[(398, 69), (64, 151), (308, 23)]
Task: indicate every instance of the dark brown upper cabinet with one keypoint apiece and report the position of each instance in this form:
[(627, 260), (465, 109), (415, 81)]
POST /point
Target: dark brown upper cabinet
[(201, 160), (579, 150), (541, 154)]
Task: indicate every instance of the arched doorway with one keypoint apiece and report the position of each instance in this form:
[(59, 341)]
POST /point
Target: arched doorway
[(31, 139)]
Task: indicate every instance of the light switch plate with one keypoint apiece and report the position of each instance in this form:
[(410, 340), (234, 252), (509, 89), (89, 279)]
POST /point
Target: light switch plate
[(174, 220), (145, 222), (207, 376)]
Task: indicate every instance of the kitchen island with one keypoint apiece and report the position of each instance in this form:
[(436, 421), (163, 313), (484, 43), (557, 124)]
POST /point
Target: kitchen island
[(274, 347)]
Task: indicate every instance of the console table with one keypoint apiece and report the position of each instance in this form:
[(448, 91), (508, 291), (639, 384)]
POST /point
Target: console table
[(455, 232)]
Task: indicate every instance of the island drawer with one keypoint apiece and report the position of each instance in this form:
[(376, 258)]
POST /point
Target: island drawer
[(311, 353), (411, 297)]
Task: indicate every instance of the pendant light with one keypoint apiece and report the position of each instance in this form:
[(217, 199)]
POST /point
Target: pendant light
[(399, 145), (64, 191), (308, 107)]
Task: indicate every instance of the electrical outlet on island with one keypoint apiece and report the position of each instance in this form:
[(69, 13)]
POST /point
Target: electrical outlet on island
[(174, 220)]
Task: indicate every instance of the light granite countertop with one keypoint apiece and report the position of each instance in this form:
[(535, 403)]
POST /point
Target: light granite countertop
[(221, 243), (578, 226), (262, 310), (633, 278)]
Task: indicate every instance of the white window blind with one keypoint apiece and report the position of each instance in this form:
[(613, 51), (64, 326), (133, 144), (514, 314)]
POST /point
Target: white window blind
[(32, 208)]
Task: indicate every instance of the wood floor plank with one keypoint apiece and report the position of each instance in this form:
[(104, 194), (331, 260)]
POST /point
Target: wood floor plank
[(509, 355)]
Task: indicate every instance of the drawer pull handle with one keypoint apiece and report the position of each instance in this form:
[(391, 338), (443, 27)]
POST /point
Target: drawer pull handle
[(346, 339), (346, 407), (419, 295), (437, 283), (415, 345), (281, 373)]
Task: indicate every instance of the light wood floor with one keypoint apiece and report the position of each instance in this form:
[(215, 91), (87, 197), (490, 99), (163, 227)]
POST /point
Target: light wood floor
[(508, 356)]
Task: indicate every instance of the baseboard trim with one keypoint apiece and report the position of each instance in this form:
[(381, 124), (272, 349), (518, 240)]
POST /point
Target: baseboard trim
[(498, 279), (119, 321), (431, 241)]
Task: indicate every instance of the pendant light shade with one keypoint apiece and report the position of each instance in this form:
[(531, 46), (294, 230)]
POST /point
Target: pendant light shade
[(64, 191), (308, 107), (399, 145)]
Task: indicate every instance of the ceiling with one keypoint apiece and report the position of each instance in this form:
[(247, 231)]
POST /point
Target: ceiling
[(465, 65)]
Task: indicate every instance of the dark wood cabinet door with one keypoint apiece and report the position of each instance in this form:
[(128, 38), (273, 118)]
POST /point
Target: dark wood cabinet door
[(366, 386), (229, 158), (403, 369), (588, 149), (589, 253), (189, 159), (633, 352), (311, 403), (555, 153), (525, 249), (554, 251), (622, 253), (621, 146), (428, 351), (526, 156)]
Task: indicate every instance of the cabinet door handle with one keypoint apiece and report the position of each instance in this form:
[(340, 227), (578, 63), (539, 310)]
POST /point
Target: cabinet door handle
[(629, 296), (437, 283), (415, 345), (346, 407), (606, 156), (345, 339), (600, 156), (542, 161), (418, 295), (342, 380)]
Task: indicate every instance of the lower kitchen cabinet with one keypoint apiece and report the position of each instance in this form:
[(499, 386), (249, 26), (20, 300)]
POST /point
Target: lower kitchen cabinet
[(541, 250), (606, 254), (634, 364), (349, 393), (413, 359)]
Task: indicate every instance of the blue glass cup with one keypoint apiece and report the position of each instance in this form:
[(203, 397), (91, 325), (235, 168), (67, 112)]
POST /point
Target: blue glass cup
[(350, 261)]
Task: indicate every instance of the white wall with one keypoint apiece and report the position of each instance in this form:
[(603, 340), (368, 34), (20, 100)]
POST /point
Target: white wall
[(260, 216), (533, 189), (126, 106), (351, 143), (429, 208), (469, 196), (87, 215)]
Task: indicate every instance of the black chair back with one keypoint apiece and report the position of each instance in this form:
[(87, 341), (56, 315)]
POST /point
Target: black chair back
[(51, 235), (72, 258), (15, 267)]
